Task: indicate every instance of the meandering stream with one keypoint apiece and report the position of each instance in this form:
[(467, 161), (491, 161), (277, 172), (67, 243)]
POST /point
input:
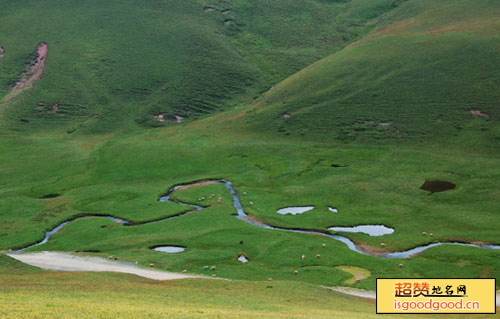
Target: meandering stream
[(241, 215)]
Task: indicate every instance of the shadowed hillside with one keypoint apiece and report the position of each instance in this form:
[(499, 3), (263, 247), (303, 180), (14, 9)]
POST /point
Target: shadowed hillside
[(117, 64)]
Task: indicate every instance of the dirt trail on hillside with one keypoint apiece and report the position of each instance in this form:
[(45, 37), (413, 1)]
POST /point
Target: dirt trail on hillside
[(66, 262), (30, 77)]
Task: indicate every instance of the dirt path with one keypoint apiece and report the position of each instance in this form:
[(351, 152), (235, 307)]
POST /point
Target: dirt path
[(372, 295), (66, 262), (30, 77), (354, 292)]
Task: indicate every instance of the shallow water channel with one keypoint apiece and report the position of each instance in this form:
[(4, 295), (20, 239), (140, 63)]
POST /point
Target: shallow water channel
[(242, 216)]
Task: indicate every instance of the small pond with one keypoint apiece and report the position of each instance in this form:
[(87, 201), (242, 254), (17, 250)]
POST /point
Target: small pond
[(437, 186), (170, 249), (371, 230), (295, 210), (243, 259)]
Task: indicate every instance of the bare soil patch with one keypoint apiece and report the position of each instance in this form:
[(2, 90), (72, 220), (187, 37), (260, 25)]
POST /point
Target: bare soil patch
[(479, 113), (33, 74), (357, 273), (203, 183)]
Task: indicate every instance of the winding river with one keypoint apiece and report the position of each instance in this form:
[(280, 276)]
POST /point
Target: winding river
[(241, 215)]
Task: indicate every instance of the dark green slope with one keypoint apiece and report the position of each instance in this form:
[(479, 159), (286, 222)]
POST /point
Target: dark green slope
[(420, 75), (116, 64)]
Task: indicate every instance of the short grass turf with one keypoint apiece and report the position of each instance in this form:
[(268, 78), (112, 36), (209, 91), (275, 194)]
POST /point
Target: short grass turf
[(34, 294), (379, 185)]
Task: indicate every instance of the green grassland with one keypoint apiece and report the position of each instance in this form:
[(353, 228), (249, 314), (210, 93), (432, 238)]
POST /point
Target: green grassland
[(380, 186), (421, 72), (36, 294), (421, 66)]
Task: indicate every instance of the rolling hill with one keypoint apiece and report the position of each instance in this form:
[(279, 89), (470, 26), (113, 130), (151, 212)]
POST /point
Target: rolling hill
[(128, 64), (431, 69)]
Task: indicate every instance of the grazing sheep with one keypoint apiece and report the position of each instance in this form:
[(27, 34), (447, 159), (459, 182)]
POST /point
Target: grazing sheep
[(151, 265), (184, 271), (269, 279), (214, 275), (401, 265), (424, 233), (303, 257), (110, 257), (212, 268), (206, 267), (245, 193), (318, 256), (323, 245), (203, 198), (431, 234), (382, 244), (296, 272), (251, 203)]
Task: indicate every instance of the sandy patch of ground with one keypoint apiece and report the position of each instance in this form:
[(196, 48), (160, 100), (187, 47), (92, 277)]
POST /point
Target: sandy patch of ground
[(31, 76), (354, 292), (66, 262), (254, 220), (203, 183), (357, 273), (370, 249), (479, 113), (372, 294), (162, 118)]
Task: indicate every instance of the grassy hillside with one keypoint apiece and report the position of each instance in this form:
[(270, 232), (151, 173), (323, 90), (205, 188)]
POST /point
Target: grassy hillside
[(417, 76), (118, 64)]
